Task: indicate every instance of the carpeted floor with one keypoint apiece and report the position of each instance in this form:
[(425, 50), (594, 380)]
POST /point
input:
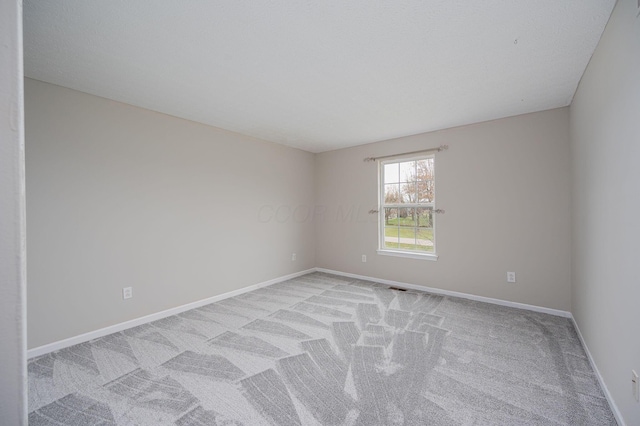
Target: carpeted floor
[(326, 350)]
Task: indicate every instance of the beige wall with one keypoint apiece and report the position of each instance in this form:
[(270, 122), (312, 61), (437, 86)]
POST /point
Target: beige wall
[(605, 138), (120, 196), (504, 186)]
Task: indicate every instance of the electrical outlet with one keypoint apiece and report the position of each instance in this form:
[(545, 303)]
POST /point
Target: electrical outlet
[(364, 258), (293, 257), (511, 277), (127, 292), (634, 385)]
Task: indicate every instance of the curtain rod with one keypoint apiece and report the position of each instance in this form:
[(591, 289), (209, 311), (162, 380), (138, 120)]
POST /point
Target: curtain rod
[(422, 151)]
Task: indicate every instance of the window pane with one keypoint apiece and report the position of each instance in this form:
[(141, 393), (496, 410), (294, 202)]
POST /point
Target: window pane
[(426, 191), (408, 192), (408, 235), (407, 217), (424, 239), (391, 237), (391, 173), (408, 171), (424, 217), (425, 169), (392, 193), (390, 217)]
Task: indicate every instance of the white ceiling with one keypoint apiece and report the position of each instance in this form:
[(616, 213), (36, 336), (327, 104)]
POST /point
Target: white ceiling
[(319, 75)]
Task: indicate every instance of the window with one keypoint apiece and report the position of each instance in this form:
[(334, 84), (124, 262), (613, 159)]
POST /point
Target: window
[(406, 208)]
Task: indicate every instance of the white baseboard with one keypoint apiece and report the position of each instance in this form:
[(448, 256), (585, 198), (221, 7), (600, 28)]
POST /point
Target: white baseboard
[(500, 302), (61, 344), (603, 386)]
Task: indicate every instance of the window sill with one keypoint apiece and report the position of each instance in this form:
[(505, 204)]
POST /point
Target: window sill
[(408, 254)]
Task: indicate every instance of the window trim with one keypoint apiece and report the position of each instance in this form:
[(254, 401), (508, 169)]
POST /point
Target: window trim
[(411, 254), (408, 254)]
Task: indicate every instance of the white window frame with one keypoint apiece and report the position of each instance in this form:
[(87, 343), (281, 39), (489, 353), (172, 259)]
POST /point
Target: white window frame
[(412, 254)]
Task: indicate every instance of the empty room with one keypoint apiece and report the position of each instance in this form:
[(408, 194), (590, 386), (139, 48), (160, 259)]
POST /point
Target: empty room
[(320, 213)]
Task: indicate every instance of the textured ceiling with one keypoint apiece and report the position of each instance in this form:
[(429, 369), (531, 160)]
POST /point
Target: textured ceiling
[(319, 75)]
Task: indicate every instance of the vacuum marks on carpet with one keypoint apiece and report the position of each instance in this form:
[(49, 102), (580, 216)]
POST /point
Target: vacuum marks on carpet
[(325, 350)]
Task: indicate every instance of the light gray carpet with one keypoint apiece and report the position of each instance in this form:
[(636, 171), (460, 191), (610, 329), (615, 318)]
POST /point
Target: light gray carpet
[(326, 350)]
